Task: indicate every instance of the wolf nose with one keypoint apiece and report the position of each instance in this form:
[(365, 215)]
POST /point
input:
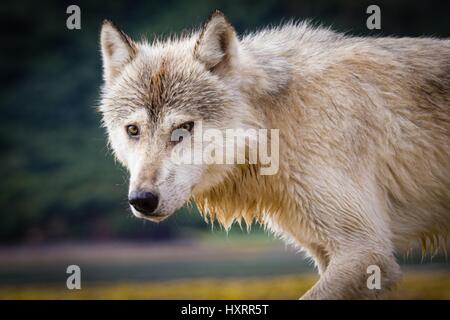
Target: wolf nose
[(144, 202)]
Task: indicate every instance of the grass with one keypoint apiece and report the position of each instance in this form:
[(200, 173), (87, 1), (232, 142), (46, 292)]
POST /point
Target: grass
[(413, 286), (217, 267)]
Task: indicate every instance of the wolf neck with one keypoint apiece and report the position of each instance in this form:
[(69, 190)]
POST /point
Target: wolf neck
[(245, 194), (262, 74)]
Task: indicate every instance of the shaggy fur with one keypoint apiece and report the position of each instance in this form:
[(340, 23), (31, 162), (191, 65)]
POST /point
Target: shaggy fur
[(364, 137)]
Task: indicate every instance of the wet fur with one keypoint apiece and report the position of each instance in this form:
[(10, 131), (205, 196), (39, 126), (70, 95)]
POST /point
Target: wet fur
[(364, 138)]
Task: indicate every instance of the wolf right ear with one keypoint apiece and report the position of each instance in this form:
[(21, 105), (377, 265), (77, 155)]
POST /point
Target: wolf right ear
[(217, 45), (117, 50)]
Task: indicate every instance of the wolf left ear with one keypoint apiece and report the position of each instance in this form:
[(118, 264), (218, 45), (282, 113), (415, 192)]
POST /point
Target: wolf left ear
[(117, 50), (217, 45)]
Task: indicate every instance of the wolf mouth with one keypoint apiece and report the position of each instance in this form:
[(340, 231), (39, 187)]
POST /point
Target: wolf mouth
[(158, 217)]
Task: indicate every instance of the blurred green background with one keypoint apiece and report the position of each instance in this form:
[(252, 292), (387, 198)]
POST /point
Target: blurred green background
[(59, 183)]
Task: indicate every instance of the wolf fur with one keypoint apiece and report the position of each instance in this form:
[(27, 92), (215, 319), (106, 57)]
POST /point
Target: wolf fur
[(364, 137)]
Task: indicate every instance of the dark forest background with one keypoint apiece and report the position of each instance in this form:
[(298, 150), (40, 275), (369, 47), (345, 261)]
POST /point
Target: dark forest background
[(58, 180)]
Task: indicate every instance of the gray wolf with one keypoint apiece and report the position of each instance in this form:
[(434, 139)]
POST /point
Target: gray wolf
[(364, 138)]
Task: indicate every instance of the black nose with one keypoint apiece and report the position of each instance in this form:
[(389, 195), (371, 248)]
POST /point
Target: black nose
[(144, 202)]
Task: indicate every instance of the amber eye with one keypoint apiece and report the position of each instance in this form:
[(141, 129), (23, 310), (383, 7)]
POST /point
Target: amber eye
[(132, 130), (187, 126)]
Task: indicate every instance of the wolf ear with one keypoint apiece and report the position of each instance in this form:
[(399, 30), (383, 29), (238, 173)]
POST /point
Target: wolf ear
[(217, 45), (117, 50)]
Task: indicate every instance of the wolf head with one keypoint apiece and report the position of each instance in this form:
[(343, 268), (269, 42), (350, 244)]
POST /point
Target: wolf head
[(152, 91)]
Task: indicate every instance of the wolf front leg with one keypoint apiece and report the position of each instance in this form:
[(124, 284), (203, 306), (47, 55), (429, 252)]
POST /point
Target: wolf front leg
[(349, 215), (365, 272)]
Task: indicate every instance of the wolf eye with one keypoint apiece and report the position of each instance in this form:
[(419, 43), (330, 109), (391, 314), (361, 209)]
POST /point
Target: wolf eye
[(177, 136), (132, 130), (188, 126)]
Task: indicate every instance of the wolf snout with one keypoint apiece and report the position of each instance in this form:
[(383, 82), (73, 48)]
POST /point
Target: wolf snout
[(143, 201)]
